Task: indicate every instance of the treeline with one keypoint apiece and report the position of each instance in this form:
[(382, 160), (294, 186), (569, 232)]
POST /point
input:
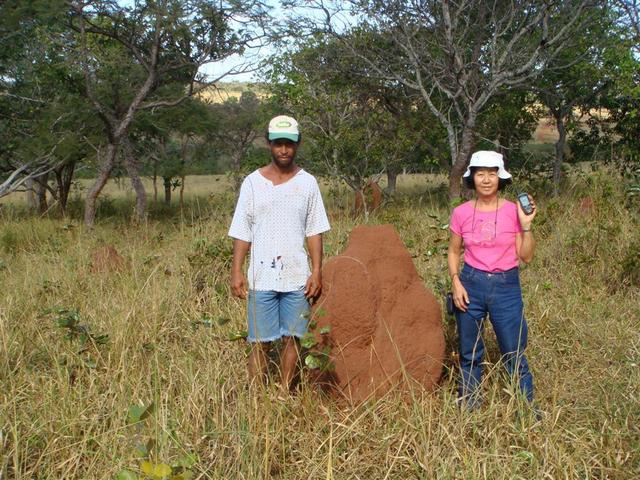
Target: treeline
[(100, 88)]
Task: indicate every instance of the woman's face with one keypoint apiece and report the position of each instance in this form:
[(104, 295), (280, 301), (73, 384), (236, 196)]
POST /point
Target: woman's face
[(486, 181)]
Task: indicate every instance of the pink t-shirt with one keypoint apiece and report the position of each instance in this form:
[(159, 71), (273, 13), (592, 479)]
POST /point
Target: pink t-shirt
[(488, 246)]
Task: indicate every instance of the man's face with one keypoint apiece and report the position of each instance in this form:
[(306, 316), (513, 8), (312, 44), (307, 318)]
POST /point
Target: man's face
[(283, 152)]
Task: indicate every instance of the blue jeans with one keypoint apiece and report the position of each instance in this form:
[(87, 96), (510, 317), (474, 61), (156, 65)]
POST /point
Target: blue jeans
[(499, 295)]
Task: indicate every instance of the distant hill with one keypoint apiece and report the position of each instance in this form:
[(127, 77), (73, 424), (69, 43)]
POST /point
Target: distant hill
[(222, 91)]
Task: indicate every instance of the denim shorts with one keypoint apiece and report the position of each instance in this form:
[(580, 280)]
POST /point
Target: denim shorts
[(272, 315)]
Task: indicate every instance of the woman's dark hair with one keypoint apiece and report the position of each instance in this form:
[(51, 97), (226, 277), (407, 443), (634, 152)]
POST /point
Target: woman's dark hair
[(469, 183)]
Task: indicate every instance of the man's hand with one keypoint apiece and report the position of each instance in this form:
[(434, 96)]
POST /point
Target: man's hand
[(238, 285), (238, 282), (313, 288)]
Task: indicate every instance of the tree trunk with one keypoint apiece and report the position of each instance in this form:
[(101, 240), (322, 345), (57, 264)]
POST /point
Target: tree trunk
[(392, 180), (167, 190), (64, 177), (235, 168), (461, 160), (30, 194), (131, 165), (155, 181), (560, 145), (183, 164), (98, 185), (41, 193), (181, 192)]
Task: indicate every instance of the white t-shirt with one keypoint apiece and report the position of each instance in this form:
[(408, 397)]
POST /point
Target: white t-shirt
[(276, 220)]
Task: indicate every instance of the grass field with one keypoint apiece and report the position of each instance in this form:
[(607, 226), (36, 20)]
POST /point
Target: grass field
[(167, 391)]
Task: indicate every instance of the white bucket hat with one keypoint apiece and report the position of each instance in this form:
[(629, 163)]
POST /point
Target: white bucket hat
[(487, 158), (283, 126)]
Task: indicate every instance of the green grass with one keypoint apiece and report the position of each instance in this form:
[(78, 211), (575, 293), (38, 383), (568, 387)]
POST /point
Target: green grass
[(64, 414)]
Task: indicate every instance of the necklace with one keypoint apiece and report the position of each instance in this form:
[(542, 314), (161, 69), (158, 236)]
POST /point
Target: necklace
[(495, 221)]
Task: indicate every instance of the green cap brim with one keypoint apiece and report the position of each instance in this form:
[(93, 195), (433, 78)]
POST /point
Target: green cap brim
[(289, 136)]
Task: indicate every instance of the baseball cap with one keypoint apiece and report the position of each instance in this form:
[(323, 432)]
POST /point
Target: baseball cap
[(487, 158), (283, 126)]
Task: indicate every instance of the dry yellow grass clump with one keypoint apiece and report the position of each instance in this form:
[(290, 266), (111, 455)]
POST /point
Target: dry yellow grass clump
[(165, 394)]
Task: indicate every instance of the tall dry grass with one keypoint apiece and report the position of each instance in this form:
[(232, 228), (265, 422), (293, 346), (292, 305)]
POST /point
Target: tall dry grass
[(65, 414)]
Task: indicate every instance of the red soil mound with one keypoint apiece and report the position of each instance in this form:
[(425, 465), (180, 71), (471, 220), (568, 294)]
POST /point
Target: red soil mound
[(370, 195), (386, 327), (106, 259)]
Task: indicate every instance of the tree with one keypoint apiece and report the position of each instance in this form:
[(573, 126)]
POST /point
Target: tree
[(243, 120), (630, 18), (583, 73), (457, 55), (44, 123), (613, 137), (148, 56), (167, 138), (355, 126)]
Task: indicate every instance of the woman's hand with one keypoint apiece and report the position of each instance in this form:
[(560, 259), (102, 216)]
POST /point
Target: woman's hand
[(460, 295), (525, 243), (526, 220)]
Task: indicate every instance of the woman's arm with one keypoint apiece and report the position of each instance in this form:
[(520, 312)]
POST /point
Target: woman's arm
[(460, 296)]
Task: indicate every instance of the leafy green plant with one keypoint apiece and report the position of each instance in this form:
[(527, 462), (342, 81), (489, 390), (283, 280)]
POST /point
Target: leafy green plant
[(69, 320), (145, 448), (87, 342), (236, 335), (318, 352), (207, 321)]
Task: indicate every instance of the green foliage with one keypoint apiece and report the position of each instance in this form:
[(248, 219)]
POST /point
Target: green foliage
[(205, 251), (308, 340), (316, 342), (69, 320), (507, 125), (181, 469), (236, 335), (138, 413), (9, 240), (354, 126), (241, 122), (630, 266), (209, 322)]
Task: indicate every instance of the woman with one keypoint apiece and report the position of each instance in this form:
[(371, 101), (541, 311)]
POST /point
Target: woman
[(496, 235)]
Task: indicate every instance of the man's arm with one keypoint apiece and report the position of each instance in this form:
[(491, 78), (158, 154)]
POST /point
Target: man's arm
[(314, 283), (238, 281)]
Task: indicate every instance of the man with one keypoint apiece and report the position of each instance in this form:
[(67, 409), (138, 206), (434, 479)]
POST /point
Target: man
[(279, 206)]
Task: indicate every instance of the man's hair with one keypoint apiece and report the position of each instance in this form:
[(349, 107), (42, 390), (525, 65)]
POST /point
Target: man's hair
[(470, 184)]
